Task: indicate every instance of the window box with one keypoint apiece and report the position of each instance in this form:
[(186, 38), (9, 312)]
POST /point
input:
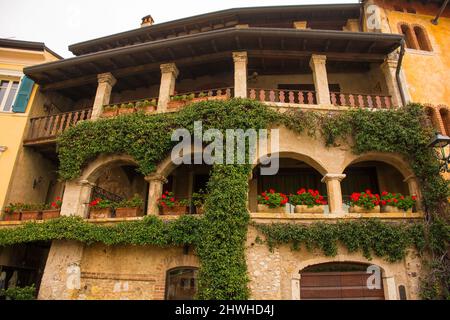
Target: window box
[(358, 209), (129, 212), (266, 209), (12, 216), (51, 214), (31, 215), (100, 213), (174, 210), (392, 209), (305, 209)]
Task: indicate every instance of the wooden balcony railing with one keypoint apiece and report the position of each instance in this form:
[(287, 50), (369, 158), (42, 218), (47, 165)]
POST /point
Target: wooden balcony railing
[(361, 100), (49, 127), (283, 96)]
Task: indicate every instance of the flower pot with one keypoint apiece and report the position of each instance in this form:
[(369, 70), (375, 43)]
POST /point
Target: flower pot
[(220, 98), (51, 214), (129, 212), (147, 109), (31, 215), (174, 211), (126, 110), (306, 209), (109, 113), (100, 213), (199, 209), (175, 105), (388, 209), (266, 209), (13, 216), (358, 209), (199, 99)]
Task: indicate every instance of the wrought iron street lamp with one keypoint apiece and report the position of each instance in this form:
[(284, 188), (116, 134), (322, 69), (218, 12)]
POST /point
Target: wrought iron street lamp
[(441, 145)]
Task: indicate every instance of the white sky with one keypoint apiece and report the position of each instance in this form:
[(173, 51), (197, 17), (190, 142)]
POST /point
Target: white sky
[(59, 23)]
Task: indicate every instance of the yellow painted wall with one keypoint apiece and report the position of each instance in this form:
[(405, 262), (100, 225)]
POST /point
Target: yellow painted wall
[(13, 125)]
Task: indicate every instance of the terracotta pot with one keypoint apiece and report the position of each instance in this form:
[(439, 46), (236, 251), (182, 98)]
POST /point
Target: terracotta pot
[(109, 114), (129, 212), (221, 97), (147, 109), (51, 214), (306, 209), (97, 213), (199, 99), (358, 209), (13, 216), (174, 211), (126, 110), (264, 208), (174, 105), (199, 209), (389, 209), (31, 215)]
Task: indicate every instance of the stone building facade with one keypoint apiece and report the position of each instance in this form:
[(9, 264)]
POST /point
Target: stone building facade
[(324, 58)]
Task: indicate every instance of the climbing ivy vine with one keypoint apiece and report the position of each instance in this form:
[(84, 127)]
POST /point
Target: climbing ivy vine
[(219, 236)]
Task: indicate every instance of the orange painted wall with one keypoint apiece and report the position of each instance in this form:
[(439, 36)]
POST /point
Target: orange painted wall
[(427, 73)]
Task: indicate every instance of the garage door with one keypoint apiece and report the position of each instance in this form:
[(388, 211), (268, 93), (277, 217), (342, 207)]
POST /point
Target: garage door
[(338, 286)]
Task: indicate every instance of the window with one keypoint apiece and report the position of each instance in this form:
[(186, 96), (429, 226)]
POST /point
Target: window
[(422, 39), (397, 8), (181, 283), (411, 10), (8, 90), (409, 37), (445, 116)]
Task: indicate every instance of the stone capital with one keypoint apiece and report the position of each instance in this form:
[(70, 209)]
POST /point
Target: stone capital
[(317, 59), (86, 183), (106, 78), (333, 176), (389, 63), (156, 177), (170, 68), (240, 56)]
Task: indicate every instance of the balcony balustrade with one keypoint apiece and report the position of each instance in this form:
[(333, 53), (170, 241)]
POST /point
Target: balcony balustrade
[(283, 96), (361, 100)]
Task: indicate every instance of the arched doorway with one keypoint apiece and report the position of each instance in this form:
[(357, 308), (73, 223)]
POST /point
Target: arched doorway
[(341, 281)]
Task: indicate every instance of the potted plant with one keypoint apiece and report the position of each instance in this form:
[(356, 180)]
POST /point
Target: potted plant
[(146, 106), (130, 208), (177, 102), (396, 202), (272, 202), (31, 211), (52, 210), (168, 205), (202, 96), (307, 201), (110, 111), (198, 200), (100, 208), (126, 108), (12, 212), (364, 202)]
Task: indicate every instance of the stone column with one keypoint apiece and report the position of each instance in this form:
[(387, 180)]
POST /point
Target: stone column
[(414, 189), (156, 182), (318, 67), (61, 279), (240, 74), (295, 287), (334, 191), (105, 83), (389, 69), (77, 195), (169, 74), (390, 289)]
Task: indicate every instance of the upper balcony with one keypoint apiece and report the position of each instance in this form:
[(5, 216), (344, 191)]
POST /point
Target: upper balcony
[(284, 68)]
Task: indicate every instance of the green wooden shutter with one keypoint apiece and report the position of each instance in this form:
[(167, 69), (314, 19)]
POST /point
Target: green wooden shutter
[(26, 86)]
